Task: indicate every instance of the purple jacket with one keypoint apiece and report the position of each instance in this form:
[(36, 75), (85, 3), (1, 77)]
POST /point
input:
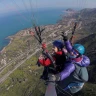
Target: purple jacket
[(69, 66)]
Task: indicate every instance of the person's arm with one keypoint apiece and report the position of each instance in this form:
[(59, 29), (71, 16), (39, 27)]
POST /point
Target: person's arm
[(68, 46), (69, 68), (67, 42), (45, 62)]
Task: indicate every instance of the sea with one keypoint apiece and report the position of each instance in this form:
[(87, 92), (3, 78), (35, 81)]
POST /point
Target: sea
[(11, 23)]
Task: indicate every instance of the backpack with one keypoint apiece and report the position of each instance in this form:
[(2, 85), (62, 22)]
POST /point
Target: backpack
[(80, 73)]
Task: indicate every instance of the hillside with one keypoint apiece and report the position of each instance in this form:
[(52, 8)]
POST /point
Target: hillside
[(90, 45), (19, 74)]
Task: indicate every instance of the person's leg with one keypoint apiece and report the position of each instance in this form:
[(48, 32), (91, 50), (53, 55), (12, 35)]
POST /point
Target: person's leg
[(74, 87), (45, 74)]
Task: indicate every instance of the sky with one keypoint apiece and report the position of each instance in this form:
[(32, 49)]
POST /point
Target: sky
[(7, 6)]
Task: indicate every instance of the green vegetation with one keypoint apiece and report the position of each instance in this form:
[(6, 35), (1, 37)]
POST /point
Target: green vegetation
[(24, 81)]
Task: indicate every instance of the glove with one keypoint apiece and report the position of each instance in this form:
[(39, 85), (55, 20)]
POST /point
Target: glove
[(38, 63), (44, 45), (65, 35), (53, 77)]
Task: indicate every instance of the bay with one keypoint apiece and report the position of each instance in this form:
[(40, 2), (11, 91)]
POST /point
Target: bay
[(11, 23)]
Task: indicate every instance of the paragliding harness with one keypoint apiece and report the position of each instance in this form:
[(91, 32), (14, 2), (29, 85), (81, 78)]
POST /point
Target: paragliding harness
[(39, 39)]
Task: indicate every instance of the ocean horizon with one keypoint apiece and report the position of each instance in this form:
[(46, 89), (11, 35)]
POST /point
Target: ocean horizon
[(12, 23)]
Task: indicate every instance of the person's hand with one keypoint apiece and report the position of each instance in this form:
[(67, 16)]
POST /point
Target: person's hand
[(64, 35), (65, 51), (44, 45), (41, 57), (53, 77)]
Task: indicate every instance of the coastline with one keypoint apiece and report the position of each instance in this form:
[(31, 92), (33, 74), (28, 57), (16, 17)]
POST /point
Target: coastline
[(10, 40), (7, 28)]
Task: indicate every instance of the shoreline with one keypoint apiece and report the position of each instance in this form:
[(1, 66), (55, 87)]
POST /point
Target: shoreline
[(10, 40), (57, 17)]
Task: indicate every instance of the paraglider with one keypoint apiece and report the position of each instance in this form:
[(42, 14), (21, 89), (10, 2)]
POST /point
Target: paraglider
[(59, 58)]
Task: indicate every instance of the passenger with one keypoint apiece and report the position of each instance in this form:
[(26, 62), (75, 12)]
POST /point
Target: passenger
[(59, 58)]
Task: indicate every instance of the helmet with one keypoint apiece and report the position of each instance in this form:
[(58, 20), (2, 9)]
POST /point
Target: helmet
[(58, 43), (80, 48)]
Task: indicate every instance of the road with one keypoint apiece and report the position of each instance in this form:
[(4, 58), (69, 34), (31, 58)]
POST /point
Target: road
[(8, 73)]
